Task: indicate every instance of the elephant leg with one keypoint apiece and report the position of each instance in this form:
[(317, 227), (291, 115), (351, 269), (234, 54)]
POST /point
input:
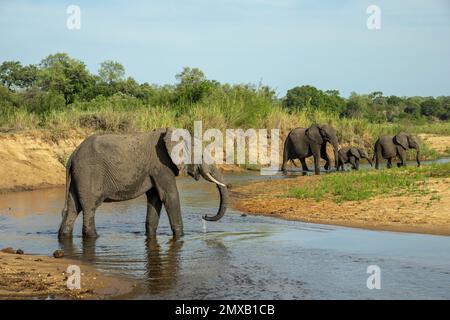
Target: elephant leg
[(353, 162), (69, 217), (389, 163), (89, 230), (154, 205), (377, 156), (324, 156), (402, 157), (304, 166), (316, 154), (168, 193), (285, 160), (356, 164)]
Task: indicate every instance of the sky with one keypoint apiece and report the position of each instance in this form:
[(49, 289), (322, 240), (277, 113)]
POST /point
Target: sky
[(280, 43)]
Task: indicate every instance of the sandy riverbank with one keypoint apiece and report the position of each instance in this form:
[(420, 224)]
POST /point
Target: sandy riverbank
[(418, 213), (31, 276)]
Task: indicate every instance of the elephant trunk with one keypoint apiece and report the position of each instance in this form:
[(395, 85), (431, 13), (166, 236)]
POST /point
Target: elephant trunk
[(223, 204), (417, 157), (370, 162), (216, 178)]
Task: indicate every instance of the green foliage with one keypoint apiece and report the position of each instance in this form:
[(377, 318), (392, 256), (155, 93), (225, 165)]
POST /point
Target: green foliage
[(60, 93), (362, 185), (111, 71), (311, 97), (61, 74)]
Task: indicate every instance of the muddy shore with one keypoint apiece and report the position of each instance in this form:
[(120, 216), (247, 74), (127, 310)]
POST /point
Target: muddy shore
[(24, 276), (416, 214)]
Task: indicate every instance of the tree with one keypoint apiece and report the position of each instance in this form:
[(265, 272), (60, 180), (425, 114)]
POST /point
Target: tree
[(431, 108), (192, 85), (302, 97), (356, 106), (10, 73), (65, 75), (309, 96), (111, 71)]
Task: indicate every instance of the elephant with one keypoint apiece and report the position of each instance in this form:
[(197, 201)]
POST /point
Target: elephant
[(304, 142), (351, 155), (390, 146), (119, 167)]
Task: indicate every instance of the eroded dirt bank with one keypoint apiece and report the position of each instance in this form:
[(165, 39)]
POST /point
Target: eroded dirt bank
[(35, 159), (418, 213), (31, 276)]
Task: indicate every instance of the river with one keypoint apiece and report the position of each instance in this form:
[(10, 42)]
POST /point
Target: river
[(239, 257)]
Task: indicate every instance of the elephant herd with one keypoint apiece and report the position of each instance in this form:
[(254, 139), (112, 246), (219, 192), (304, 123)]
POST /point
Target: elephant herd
[(118, 167), (302, 143)]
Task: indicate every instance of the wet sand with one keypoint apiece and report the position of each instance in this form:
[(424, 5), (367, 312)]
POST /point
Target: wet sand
[(32, 276), (417, 214)]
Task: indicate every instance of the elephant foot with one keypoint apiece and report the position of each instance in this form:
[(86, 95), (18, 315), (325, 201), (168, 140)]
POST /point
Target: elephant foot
[(150, 233), (90, 233), (65, 232), (177, 233), (64, 235)]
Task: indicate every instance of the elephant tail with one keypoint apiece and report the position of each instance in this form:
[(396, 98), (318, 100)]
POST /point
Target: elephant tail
[(68, 181)]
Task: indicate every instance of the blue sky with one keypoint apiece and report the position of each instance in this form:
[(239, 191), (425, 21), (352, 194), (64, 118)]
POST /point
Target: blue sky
[(281, 43)]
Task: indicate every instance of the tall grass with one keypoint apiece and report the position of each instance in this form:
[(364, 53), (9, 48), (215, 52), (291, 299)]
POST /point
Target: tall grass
[(120, 113)]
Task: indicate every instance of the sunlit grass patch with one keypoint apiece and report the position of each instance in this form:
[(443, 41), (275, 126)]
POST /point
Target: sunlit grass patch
[(362, 185)]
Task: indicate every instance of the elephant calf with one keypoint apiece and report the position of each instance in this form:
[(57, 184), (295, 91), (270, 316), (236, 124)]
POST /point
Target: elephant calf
[(352, 156), (388, 147), (113, 167)]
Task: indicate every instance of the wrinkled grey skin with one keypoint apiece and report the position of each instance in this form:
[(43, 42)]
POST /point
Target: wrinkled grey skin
[(113, 167), (302, 143), (388, 147), (353, 156)]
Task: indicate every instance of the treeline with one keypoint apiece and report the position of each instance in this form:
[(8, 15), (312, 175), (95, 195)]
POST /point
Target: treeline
[(60, 82), (374, 106)]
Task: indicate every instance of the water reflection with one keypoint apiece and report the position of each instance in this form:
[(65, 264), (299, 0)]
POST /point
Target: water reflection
[(162, 265), (88, 248)]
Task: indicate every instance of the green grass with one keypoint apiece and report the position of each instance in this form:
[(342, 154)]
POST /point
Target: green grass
[(362, 185)]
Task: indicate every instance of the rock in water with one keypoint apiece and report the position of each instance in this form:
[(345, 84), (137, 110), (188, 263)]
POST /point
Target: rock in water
[(8, 250), (19, 251), (58, 254)]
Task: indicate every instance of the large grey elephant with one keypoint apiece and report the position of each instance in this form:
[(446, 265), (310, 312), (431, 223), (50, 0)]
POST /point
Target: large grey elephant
[(305, 142), (388, 147), (353, 156), (113, 167)]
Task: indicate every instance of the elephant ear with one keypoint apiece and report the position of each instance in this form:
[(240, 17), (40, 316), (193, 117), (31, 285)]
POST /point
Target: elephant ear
[(402, 139), (355, 152), (178, 145), (313, 133), (362, 153)]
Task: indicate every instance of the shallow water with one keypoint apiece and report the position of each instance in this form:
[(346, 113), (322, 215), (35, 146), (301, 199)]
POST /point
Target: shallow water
[(238, 257)]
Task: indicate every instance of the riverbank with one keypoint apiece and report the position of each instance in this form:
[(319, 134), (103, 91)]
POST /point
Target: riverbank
[(31, 276), (35, 159), (411, 200)]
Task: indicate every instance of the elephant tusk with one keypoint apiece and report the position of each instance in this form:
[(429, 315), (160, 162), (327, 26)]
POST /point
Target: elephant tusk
[(214, 180)]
